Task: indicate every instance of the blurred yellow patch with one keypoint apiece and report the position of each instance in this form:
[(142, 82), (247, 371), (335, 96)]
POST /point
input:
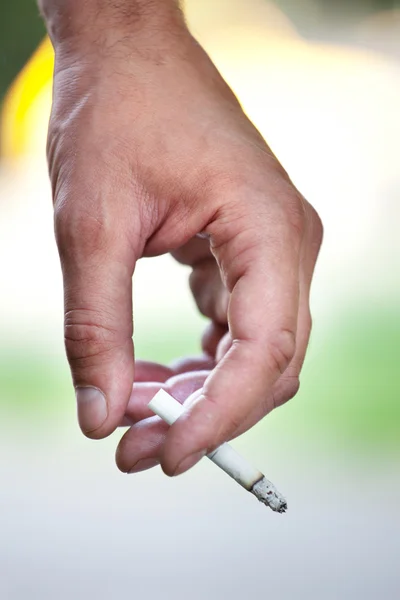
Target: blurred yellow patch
[(26, 102)]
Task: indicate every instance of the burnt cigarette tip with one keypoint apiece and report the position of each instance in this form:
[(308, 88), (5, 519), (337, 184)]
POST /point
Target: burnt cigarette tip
[(266, 493)]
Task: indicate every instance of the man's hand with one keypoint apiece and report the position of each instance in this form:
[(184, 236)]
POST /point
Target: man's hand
[(148, 148)]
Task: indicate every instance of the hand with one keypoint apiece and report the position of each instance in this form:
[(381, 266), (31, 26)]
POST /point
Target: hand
[(148, 148)]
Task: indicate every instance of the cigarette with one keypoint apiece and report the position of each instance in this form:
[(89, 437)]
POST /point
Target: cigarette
[(237, 467)]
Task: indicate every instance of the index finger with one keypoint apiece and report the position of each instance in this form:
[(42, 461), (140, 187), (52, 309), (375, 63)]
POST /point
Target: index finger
[(259, 256)]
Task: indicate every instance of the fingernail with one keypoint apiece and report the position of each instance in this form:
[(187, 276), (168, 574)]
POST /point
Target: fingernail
[(195, 398), (92, 408), (144, 464), (188, 462)]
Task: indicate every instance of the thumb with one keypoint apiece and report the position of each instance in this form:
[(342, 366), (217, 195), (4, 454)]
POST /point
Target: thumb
[(97, 263)]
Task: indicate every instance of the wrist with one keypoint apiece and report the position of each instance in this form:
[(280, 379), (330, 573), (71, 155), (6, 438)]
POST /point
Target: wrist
[(104, 24)]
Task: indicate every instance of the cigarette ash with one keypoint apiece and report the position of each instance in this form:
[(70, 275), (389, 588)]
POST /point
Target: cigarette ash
[(266, 492)]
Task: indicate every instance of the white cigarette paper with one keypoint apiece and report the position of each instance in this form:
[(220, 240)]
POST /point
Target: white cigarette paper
[(237, 467)]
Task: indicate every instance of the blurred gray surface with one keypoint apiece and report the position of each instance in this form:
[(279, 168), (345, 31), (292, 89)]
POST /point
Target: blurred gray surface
[(72, 526)]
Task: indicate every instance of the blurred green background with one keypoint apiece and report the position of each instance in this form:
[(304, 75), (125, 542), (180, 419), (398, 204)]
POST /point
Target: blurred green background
[(321, 80), (350, 387)]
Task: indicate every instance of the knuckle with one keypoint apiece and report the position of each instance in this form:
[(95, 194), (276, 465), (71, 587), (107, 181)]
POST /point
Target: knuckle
[(287, 389), (209, 292), (61, 150), (292, 386), (86, 339), (79, 232), (197, 282), (316, 226), (282, 348), (295, 214)]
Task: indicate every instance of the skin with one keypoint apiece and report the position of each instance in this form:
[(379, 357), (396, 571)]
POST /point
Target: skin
[(149, 153)]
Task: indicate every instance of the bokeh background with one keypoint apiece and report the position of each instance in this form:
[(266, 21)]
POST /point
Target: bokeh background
[(321, 80)]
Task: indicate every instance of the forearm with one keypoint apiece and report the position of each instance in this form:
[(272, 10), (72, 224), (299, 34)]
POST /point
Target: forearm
[(106, 21)]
